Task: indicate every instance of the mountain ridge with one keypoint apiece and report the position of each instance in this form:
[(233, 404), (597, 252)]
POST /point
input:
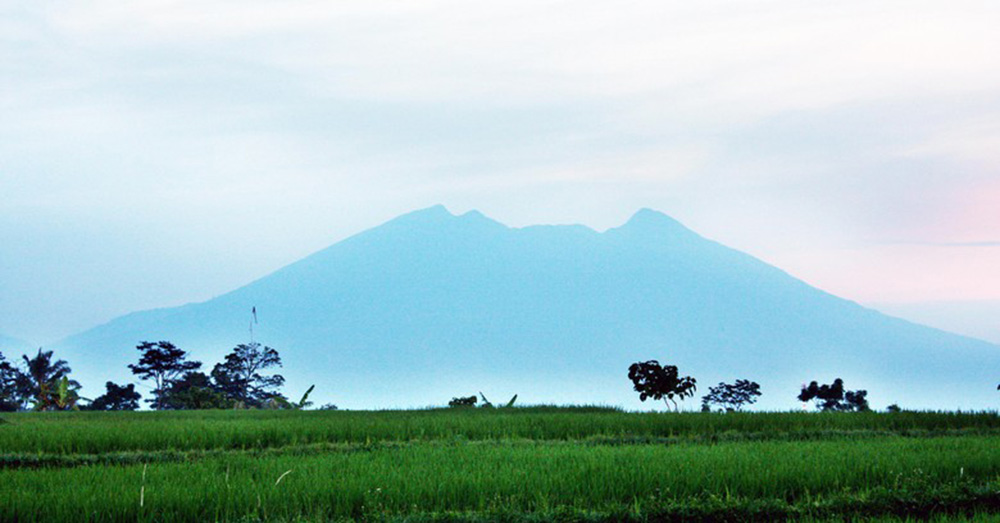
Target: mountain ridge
[(452, 303)]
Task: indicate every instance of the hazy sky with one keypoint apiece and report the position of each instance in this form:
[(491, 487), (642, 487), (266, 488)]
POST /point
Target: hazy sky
[(158, 152)]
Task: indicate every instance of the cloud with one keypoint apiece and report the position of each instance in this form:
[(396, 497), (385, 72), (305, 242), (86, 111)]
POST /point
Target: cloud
[(945, 244), (173, 133)]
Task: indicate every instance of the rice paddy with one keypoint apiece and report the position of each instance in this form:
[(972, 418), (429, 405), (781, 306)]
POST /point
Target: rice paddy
[(524, 464)]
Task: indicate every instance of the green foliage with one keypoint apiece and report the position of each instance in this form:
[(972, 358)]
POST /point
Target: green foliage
[(519, 464), (47, 384), (98, 432), (304, 403), (486, 403), (66, 397), (117, 397), (195, 391)]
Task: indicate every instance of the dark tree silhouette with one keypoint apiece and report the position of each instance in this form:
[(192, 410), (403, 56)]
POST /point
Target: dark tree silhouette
[(732, 396), (117, 397), (163, 363), (834, 398), (194, 391), (48, 384), (14, 391), (651, 380), (463, 401), (240, 375)]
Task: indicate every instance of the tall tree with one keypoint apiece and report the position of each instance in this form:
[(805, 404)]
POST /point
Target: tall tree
[(163, 363), (48, 382), (241, 376), (117, 397), (651, 380)]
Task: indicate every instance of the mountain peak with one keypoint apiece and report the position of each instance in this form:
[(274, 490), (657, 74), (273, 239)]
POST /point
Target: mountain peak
[(439, 218), (432, 213), (655, 222)]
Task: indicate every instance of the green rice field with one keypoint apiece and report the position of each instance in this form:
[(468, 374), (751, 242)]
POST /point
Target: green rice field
[(523, 464)]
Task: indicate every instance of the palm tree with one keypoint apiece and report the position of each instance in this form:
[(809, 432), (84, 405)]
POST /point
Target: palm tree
[(49, 382)]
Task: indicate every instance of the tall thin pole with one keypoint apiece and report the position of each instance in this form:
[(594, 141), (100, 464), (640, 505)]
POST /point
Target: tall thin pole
[(253, 320)]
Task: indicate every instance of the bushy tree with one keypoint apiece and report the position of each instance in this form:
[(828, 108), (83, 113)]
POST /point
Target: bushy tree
[(463, 401), (8, 398), (163, 363), (241, 376), (651, 380), (14, 387), (195, 391), (47, 381), (732, 396), (117, 397), (834, 398)]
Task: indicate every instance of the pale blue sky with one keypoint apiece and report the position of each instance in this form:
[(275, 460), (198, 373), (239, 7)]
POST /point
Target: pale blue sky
[(156, 153)]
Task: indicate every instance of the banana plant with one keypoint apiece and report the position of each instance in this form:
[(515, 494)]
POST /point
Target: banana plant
[(304, 402), (66, 396), (61, 395), (280, 403), (487, 405)]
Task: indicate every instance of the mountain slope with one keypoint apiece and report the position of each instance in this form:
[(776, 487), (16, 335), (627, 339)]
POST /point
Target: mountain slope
[(432, 305)]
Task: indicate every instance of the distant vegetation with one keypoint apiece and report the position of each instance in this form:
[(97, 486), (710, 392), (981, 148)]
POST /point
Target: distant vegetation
[(241, 381), (117, 397), (245, 380), (229, 446), (654, 381), (731, 397), (834, 398), (466, 401)]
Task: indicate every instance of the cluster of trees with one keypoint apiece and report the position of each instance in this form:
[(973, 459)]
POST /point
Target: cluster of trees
[(242, 380), (39, 382), (664, 382), (833, 397), (470, 401)]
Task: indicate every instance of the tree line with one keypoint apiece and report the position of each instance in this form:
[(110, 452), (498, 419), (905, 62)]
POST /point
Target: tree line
[(664, 382), (244, 379)]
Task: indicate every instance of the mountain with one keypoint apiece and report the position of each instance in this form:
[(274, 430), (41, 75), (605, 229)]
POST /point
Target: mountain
[(432, 305), (976, 318)]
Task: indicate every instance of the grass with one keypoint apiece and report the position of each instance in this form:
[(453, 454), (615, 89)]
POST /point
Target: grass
[(532, 464), (101, 432)]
